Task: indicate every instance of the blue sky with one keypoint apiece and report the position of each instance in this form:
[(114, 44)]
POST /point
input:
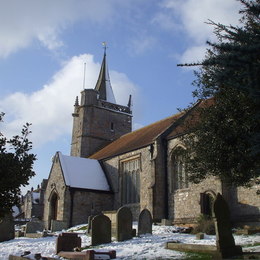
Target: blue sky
[(44, 45)]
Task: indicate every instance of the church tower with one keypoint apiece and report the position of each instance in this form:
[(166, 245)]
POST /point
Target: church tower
[(98, 120)]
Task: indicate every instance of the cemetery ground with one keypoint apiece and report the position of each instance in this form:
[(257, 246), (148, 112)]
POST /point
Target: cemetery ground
[(143, 247)]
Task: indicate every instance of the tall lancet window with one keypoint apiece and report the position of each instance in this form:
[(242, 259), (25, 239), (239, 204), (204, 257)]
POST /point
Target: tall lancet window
[(179, 177), (130, 180)]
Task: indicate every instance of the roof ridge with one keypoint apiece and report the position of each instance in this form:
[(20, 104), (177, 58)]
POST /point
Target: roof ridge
[(154, 123)]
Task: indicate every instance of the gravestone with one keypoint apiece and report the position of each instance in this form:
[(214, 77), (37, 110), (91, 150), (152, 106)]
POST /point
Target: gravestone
[(200, 236), (112, 217), (100, 230), (124, 221), (89, 222), (145, 222), (34, 227), (224, 238), (58, 225), (7, 228), (67, 242)]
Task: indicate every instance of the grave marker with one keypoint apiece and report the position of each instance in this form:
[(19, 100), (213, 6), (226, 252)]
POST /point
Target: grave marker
[(145, 222), (124, 221), (67, 242), (34, 227), (89, 222), (224, 238), (100, 230), (7, 228)]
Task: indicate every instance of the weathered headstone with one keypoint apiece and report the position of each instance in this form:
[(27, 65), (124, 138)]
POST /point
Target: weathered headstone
[(124, 221), (6, 228), (34, 227), (58, 225), (89, 222), (224, 238), (112, 217), (145, 222), (67, 242), (166, 222), (100, 230), (200, 236)]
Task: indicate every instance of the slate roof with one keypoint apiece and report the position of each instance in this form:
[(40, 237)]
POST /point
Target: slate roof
[(148, 134), (136, 139)]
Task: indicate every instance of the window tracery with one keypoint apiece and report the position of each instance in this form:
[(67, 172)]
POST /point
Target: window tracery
[(179, 177), (131, 181)]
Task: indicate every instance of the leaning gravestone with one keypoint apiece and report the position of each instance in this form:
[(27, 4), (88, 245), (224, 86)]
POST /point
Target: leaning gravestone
[(100, 230), (124, 221), (225, 241), (7, 228), (145, 222)]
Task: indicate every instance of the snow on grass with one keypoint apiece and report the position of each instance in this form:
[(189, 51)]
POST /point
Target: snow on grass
[(144, 247)]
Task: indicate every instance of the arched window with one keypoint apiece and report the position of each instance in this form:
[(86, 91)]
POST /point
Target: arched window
[(130, 188), (179, 177)]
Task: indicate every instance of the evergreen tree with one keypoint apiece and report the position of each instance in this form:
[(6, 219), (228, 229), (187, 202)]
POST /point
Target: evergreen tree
[(15, 167), (226, 138)]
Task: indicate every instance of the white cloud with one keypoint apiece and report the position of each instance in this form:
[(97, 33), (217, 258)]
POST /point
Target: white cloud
[(191, 17), (49, 109), (21, 22), (141, 43), (197, 53)]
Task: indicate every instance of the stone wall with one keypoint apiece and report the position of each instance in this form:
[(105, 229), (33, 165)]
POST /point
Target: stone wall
[(86, 203), (151, 180), (184, 204), (92, 126), (56, 185), (244, 204)]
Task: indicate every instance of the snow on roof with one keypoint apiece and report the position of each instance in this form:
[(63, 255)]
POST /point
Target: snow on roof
[(83, 173)]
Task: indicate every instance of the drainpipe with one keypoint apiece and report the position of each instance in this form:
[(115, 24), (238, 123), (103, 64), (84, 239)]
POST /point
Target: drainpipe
[(71, 206), (165, 155)]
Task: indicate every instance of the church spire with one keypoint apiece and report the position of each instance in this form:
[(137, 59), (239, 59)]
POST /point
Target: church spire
[(103, 85)]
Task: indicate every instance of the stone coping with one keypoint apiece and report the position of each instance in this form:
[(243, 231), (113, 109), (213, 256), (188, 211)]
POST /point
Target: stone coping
[(14, 257), (196, 248), (86, 255), (207, 249), (34, 235), (109, 212)]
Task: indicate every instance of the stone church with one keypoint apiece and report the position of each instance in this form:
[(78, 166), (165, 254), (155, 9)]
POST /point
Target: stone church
[(110, 165)]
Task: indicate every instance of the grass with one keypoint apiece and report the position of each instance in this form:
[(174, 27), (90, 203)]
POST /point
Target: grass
[(251, 245)]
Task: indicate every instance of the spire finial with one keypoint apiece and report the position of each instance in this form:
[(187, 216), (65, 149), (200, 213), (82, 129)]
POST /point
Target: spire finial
[(104, 46), (130, 101), (76, 102)]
